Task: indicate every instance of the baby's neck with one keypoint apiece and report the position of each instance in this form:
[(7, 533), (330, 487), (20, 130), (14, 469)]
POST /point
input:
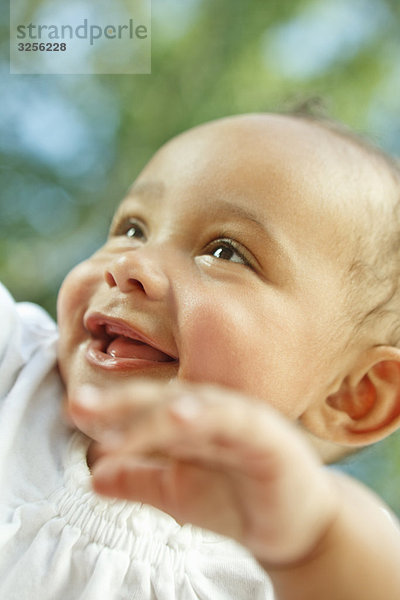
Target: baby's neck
[(93, 454)]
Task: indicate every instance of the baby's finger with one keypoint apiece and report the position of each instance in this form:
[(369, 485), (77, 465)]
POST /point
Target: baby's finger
[(184, 490), (209, 423), (105, 413)]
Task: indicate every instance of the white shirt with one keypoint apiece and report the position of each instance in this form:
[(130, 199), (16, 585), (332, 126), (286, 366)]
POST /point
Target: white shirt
[(59, 540)]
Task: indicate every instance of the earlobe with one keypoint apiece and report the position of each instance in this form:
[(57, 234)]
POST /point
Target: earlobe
[(366, 407)]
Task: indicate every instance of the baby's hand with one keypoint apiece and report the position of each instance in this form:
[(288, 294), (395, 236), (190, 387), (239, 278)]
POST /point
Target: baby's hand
[(214, 458)]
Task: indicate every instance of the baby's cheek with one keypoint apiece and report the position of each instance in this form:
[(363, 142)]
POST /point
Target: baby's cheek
[(237, 350), (76, 288), (215, 349), (73, 299)]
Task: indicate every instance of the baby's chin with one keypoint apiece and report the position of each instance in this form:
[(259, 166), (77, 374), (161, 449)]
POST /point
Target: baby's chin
[(65, 413)]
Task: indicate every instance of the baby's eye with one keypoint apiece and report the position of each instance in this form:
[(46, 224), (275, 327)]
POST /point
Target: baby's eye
[(130, 228), (226, 250), (135, 231)]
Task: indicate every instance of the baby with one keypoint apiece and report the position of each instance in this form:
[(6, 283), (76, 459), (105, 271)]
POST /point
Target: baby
[(240, 322)]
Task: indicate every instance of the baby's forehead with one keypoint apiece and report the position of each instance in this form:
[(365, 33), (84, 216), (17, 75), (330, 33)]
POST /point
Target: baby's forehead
[(299, 163), (309, 185), (283, 144), (295, 153)]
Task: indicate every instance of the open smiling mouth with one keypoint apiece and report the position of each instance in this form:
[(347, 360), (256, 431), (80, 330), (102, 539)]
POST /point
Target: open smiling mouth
[(115, 345)]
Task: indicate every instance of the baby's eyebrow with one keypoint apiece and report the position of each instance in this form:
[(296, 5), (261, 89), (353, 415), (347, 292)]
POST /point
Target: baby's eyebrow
[(151, 190), (244, 213), (155, 190)]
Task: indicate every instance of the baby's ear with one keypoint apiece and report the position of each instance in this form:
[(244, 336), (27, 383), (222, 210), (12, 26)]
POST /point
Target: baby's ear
[(366, 408)]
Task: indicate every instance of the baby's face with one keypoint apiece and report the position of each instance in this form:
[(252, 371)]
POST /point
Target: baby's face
[(225, 263)]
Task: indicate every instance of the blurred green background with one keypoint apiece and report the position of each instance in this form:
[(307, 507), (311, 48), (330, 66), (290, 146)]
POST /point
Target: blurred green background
[(71, 145)]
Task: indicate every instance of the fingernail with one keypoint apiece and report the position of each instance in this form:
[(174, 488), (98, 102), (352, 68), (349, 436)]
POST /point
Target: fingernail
[(186, 407)]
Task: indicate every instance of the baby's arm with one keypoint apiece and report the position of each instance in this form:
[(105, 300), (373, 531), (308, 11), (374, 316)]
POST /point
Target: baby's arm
[(357, 557), (221, 461)]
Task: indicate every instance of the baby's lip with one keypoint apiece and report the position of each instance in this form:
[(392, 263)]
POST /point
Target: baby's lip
[(106, 328)]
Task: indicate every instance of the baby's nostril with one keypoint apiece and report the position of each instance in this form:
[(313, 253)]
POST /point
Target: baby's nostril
[(135, 283), (110, 279)]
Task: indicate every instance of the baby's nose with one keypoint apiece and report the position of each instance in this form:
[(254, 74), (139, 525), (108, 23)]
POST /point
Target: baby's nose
[(131, 272)]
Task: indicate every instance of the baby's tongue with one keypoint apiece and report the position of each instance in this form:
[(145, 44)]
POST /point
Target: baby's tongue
[(123, 347)]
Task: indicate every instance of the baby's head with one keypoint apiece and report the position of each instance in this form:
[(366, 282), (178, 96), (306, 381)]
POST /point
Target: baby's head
[(257, 252)]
